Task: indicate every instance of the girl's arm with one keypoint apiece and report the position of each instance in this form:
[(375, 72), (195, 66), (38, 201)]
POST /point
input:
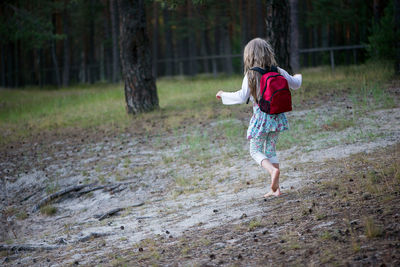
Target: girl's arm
[(238, 97), (293, 81)]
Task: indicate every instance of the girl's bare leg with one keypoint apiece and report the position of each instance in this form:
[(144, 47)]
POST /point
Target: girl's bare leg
[(273, 169)]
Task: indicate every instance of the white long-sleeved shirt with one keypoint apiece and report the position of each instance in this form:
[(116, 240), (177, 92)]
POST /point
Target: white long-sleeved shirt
[(241, 96)]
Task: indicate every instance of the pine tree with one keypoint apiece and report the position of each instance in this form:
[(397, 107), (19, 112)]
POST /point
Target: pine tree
[(135, 56)]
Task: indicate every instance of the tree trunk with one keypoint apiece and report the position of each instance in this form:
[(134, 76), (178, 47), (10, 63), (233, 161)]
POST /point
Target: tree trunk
[(67, 63), (9, 60), (314, 44), (304, 31), (180, 51), (396, 6), (377, 10), (168, 43), (155, 40), (102, 72), (226, 44), (260, 19), (36, 66), (3, 66), (294, 36), (278, 33), (22, 60), (107, 37), (16, 65), (92, 76), (205, 50), (135, 55), (55, 62), (114, 34), (244, 25), (325, 35), (216, 47), (82, 72), (191, 41), (187, 62)]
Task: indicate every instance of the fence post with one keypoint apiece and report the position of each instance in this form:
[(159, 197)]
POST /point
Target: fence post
[(214, 67), (355, 56), (180, 64), (332, 60)]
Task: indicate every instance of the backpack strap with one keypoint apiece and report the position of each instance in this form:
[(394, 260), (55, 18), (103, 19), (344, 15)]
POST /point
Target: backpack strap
[(274, 69), (262, 72)]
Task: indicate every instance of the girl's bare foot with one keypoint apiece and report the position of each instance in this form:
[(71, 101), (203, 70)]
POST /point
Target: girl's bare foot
[(271, 193), (275, 179), (273, 169)]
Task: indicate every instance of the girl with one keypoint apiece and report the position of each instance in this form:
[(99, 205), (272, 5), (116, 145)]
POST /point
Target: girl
[(264, 129)]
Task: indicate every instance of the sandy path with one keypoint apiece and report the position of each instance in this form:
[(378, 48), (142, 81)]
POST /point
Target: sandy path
[(231, 187)]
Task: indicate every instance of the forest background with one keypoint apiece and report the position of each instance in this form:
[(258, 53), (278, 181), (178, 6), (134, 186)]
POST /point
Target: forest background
[(60, 43)]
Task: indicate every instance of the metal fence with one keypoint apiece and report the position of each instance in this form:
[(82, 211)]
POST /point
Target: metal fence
[(332, 50), (212, 64), (216, 66)]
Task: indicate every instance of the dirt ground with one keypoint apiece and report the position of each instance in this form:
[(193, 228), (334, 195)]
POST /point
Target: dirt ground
[(191, 197)]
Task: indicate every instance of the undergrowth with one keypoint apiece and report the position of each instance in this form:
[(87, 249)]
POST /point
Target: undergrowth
[(184, 102)]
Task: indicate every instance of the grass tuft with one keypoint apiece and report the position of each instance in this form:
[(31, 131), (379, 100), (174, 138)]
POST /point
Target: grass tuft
[(22, 215), (253, 224), (371, 229), (48, 210)]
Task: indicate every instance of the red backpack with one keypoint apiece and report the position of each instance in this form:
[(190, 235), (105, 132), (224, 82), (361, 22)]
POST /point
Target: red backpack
[(275, 95)]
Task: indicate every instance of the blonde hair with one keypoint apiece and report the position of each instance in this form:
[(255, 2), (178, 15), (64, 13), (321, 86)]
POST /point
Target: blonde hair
[(257, 53)]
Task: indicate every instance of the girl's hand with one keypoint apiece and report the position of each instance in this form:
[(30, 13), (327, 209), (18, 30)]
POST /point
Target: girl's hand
[(219, 94)]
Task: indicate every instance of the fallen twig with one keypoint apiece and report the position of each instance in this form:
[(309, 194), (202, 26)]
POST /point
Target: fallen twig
[(109, 187), (28, 197), (90, 189), (113, 211), (57, 194), (62, 217), (110, 213), (117, 190), (90, 236), (144, 217), (26, 247)]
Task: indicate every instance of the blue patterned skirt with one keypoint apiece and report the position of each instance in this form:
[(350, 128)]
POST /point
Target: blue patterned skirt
[(261, 123)]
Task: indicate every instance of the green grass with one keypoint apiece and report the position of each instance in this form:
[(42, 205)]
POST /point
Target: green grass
[(22, 215), (30, 111), (183, 101), (371, 229), (371, 96), (326, 235), (48, 210), (232, 130), (320, 80), (338, 123), (253, 224)]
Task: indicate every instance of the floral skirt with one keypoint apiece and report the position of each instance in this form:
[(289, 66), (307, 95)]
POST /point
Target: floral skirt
[(262, 123)]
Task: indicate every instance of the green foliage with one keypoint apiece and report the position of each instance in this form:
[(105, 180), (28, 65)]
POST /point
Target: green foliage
[(382, 38), (340, 11), (29, 22)]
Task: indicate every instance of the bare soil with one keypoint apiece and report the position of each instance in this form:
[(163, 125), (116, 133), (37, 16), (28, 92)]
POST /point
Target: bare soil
[(190, 198)]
